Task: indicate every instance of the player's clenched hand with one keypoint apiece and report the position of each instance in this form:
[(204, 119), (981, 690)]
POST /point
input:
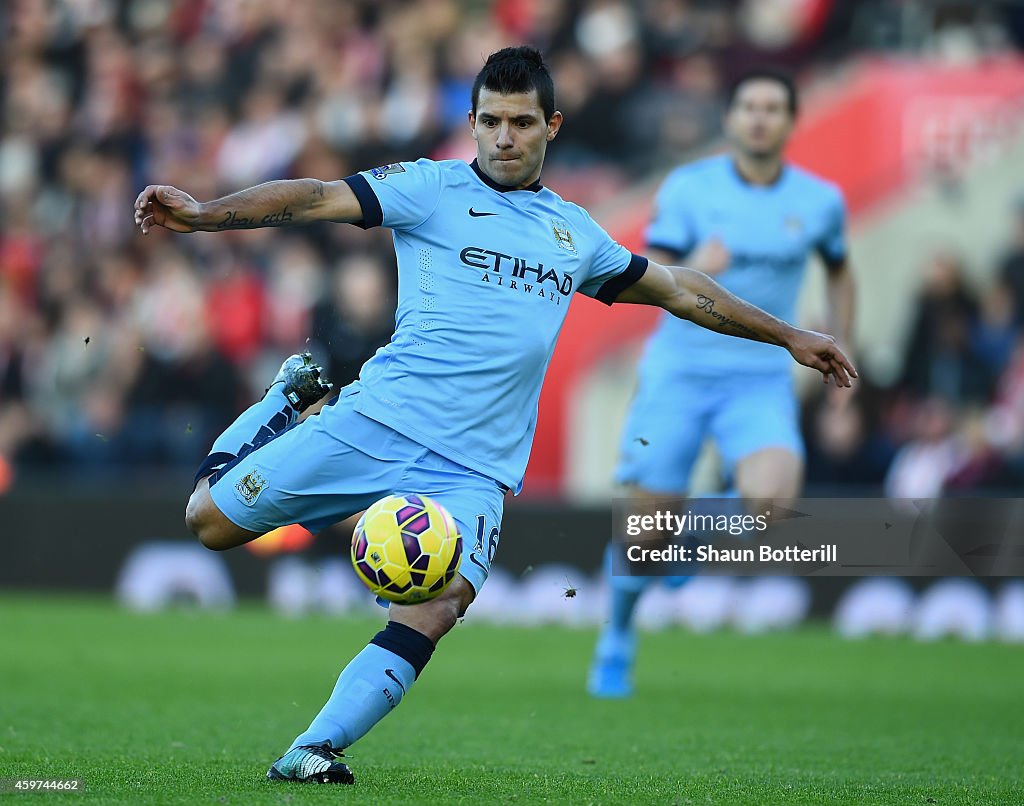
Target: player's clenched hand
[(819, 351), (166, 206)]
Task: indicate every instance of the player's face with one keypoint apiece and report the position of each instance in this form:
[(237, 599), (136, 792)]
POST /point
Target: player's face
[(512, 136), (759, 121)]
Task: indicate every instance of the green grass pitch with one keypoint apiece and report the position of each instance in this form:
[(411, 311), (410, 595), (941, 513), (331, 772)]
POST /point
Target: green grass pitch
[(189, 707)]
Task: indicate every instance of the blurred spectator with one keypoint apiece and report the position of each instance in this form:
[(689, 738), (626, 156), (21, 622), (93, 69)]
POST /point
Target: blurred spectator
[(235, 303), (997, 447), (355, 317), (1011, 268), (18, 345), (922, 466), (263, 143), (994, 332), (938, 360), (844, 446), (296, 276)]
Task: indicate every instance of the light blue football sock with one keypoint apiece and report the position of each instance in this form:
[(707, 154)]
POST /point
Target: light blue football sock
[(370, 687), (258, 423), (617, 637), (252, 428), (609, 674)]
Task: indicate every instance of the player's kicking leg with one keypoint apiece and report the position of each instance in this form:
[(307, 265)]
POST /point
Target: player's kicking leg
[(297, 389)]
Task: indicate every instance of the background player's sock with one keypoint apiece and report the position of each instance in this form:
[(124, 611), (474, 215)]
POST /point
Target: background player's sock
[(625, 593), (252, 428), (617, 638), (616, 647), (372, 684)]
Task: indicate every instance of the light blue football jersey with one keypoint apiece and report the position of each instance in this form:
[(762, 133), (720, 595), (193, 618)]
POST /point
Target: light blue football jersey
[(485, 279), (769, 231)]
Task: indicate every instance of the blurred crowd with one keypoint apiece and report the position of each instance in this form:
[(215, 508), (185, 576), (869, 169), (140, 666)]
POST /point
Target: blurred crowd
[(118, 350), (954, 421)]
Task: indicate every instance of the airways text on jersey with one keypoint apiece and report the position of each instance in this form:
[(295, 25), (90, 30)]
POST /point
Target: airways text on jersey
[(518, 273)]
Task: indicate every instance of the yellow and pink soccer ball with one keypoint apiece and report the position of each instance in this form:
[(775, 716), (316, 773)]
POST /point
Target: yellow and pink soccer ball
[(406, 548)]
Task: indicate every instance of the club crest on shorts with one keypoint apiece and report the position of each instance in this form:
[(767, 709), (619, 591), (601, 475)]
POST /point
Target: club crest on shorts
[(250, 486), (385, 170), (563, 237)]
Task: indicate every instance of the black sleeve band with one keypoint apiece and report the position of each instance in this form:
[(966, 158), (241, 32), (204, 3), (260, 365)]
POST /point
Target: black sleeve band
[(373, 215), (612, 288)]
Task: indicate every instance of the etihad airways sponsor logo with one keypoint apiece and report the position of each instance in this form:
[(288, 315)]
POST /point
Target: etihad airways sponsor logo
[(518, 273)]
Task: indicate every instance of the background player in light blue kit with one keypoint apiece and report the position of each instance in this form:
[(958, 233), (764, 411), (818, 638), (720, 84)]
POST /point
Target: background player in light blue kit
[(750, 220), (488, 261)]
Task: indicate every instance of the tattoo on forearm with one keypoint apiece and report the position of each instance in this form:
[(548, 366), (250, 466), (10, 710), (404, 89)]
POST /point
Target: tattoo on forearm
[(234, 221), (707, 304), (275, 219), (318, 188)]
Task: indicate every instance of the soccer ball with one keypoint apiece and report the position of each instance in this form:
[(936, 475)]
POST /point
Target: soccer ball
[(406, 548)]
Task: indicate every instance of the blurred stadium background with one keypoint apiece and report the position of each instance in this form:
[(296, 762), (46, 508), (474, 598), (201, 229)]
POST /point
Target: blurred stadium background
[(121, 357)]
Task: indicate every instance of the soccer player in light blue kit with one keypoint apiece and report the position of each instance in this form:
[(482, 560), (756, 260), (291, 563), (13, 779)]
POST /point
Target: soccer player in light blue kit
[(750, 220), (488, 261)]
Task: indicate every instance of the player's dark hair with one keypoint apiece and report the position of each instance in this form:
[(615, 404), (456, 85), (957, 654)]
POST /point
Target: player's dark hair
[(512, 70), (767, 74)]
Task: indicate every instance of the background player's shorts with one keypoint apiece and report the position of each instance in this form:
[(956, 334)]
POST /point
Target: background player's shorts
[(670, 418), (335, 464)]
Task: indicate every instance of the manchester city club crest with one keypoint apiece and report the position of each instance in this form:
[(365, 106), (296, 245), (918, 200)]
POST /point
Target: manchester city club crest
[(250, 486), (563, 236)]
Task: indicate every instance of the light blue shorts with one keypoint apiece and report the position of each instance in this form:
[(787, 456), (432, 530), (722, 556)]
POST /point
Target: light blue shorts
[(670, 418), (335, 464)]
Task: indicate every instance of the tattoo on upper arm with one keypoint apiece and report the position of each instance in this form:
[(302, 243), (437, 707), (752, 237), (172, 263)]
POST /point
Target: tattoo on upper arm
[(318, 188), (707, 304)]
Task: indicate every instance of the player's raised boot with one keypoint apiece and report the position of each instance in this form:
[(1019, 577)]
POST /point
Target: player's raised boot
[(298, 384), (303, 380), (611, 672), (314, 764)]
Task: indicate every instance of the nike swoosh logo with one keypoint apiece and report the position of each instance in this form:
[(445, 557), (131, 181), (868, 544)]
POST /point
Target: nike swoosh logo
[(391, 673), (475, 214)]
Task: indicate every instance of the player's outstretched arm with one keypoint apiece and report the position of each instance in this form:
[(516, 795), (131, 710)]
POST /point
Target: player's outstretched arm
[(272, 204), (690, 294)]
